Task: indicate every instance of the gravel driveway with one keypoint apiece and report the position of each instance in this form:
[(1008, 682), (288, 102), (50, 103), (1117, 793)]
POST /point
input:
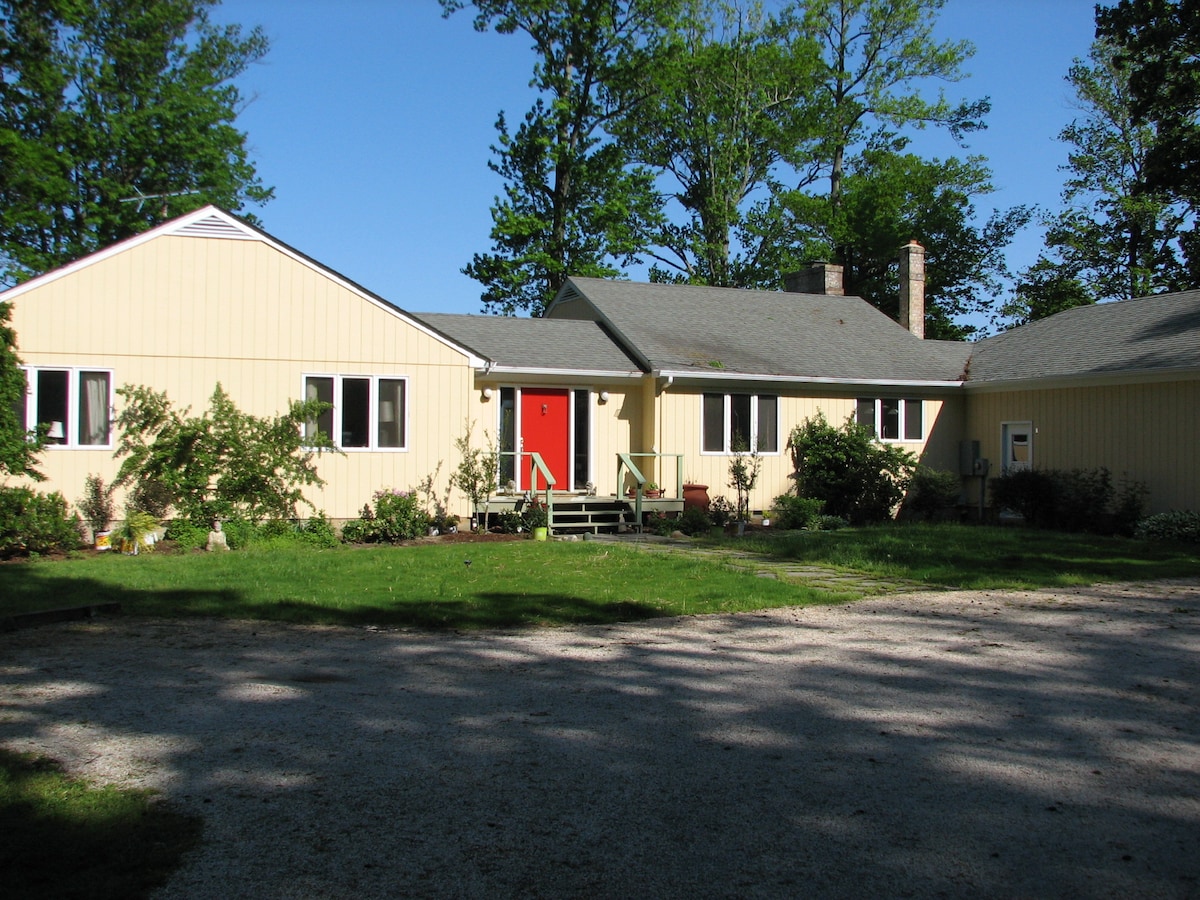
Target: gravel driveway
[(1042, 744)]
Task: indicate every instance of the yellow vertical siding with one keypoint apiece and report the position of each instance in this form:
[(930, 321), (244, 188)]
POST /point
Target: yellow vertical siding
[(180, 314), (1148, 432)]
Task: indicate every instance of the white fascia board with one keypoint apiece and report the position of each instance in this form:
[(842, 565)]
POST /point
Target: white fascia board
[(1084, 380), (510, 371), (718, 375)]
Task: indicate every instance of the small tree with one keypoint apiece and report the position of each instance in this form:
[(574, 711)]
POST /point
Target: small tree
[(857, 477), (96, 504), (224, 464), (743, 476), (476, 473), (18, 450)]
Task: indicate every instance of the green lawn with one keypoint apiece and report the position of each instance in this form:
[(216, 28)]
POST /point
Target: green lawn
[(528, 583)]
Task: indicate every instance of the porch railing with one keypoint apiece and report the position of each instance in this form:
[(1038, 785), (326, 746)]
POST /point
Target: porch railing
[(626, 461)]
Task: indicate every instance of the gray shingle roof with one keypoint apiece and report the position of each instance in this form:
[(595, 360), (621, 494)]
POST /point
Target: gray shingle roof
[(562, 344), (715, 331), (1143, 335)]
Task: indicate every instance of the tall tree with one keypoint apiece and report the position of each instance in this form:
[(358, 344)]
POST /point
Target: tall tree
[(1158, 47), (1117, 236), (107, 101), (572, 205), (723, 105)]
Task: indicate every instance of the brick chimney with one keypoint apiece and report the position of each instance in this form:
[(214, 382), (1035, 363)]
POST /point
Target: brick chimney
[(912, 288), (819, 278)]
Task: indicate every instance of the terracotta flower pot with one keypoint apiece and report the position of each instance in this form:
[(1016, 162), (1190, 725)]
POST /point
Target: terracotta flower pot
[(695, 496)]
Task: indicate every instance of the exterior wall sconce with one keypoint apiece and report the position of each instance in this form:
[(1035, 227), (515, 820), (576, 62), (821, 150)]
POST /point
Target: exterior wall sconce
[(486, 395), (603, 397)]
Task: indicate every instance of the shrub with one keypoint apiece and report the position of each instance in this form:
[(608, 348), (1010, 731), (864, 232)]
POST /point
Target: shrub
[(318, 532), (1076, 500), (931, 491), (796, 512), (186, 535), (830, 523), (31, 522), (693, 521), (720, 511), (96, 504), (509, 521), (534, 515), (857, 477), (1177, 525), (398, 517), (356, 531), (476, 473)]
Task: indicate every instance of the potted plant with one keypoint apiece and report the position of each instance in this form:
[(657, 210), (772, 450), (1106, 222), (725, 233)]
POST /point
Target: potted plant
[(536, 519), (97, 508), (650, 490), (743, 476), (720, 511), (134, 532)]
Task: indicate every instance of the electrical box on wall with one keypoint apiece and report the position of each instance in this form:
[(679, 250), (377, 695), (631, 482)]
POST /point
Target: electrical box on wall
[(968, 453), (981, 467)]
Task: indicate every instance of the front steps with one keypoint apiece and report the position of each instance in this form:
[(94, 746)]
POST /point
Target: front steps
[(580, 514)]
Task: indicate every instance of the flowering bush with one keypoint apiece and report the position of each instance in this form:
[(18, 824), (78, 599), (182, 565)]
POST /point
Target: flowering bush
[(398, 516)]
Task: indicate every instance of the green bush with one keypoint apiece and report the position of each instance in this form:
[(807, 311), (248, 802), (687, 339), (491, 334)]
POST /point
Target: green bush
[(793, 512), (31, 522), (830, 523), (1079, 500), (509, 521), (931, 491), (534, 515), (857, 477), (186, 535), (1177, 525), (693, 521), (319, 532), (356, 531)]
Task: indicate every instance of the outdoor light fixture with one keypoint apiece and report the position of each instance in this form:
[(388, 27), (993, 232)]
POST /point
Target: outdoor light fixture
[(603, 396), (487, 394)]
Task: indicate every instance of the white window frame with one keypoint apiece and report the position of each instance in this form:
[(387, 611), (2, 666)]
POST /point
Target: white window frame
[(71, 425), (373, 422), (727, 424), (903, 413)]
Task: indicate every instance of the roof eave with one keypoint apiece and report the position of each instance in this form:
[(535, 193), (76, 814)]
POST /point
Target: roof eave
[(1085, 379), (686, 375)]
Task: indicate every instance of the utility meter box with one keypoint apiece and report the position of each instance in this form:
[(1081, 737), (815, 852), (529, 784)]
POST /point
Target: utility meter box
[(981, 468), (968, 456)]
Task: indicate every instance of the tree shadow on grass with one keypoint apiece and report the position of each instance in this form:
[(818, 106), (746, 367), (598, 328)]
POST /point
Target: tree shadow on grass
[(65, 839)]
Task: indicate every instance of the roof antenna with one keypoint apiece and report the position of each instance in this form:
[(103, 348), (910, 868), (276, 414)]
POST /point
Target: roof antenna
[(141, 199)]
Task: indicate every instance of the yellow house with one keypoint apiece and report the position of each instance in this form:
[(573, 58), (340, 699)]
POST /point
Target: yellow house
[(669, 378)]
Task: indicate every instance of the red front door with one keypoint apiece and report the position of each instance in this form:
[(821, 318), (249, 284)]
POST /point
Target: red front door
[(546, 429)]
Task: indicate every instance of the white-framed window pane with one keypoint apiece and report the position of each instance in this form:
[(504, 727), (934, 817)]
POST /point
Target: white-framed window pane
[(914, 420), (768, 425), (94, 421), (739, 422), (390, 429), (713, 440), (52, 395), (889, 424), (864, 414), (319, 388), (356, 412)]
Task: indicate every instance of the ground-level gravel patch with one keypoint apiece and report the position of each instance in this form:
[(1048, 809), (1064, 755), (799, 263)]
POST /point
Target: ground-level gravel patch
[(1035, 744)]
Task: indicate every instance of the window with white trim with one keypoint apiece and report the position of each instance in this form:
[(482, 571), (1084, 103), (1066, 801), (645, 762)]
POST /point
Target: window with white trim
[(370, 412), (891, 418), (74, 405), (731, 422)]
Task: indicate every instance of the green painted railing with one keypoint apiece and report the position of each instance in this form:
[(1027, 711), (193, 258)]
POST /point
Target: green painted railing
[(536, 465), (625, 461)]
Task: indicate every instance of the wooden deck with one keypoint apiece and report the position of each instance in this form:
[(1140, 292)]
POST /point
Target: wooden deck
[(580, 513)]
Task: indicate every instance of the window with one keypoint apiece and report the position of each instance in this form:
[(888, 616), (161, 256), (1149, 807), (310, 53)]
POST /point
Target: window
[(75, 405), (369, 412), (889, 418), (730, 422)]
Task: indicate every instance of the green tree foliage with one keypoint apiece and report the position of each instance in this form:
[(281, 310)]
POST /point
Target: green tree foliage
[(572, 205), (891, 197), (103, 101), (1158, 47), (18, 449), (223, 464), (721, 109), (1117, 237), (854, 475)]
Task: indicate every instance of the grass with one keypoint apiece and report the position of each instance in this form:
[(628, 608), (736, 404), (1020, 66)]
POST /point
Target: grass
[(532, 584), (975, 558), (64, 838), (506, 585)]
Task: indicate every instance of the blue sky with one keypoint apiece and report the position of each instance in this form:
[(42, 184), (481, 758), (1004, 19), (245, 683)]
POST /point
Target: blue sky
[(373, 120)]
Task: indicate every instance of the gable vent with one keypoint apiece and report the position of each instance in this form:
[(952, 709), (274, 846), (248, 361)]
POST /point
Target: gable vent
[(215, 227)]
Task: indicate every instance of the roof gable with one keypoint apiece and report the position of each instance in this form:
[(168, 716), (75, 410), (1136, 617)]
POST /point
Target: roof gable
[(211, 222)]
